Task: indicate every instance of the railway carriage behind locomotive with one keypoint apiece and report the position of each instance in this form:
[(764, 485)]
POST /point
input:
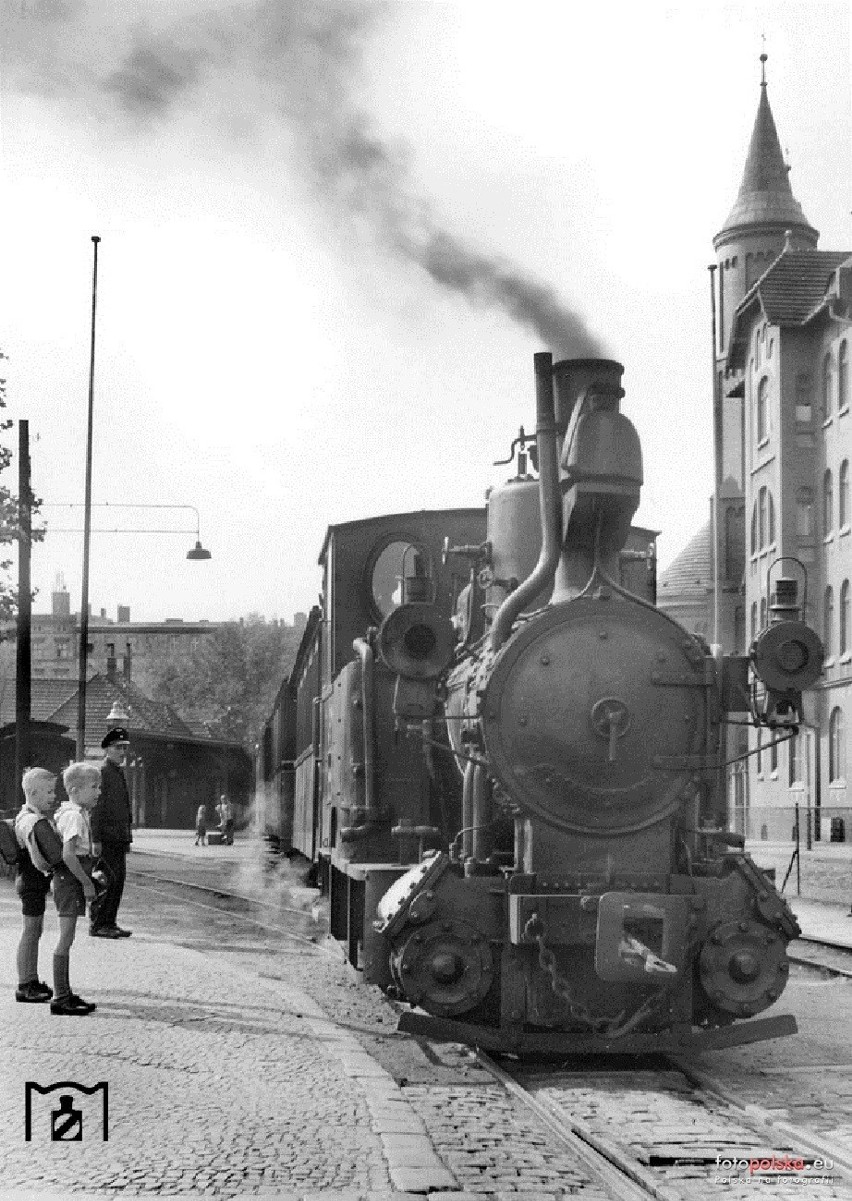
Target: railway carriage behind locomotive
[(508, 764)]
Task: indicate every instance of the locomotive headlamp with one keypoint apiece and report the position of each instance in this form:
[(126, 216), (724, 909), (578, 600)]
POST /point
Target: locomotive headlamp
[(788, 656), (416, 641)]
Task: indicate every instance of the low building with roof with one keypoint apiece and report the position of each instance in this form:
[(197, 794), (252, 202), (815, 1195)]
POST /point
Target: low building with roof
[(173, 767)]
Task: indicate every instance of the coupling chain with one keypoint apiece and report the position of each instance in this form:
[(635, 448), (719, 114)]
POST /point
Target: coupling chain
[(535, 928)]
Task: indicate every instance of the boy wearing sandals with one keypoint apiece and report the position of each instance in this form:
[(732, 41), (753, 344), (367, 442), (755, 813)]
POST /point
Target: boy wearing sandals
[(72, 886)]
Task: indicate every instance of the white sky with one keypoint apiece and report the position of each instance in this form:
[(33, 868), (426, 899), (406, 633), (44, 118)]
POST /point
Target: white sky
[(262, 358)]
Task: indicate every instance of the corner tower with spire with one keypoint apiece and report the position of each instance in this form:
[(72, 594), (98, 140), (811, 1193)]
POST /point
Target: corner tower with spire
[(765, 219), (782, 421)]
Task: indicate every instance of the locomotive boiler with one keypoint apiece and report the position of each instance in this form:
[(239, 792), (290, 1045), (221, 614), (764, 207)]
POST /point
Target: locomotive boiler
[(515, 789)]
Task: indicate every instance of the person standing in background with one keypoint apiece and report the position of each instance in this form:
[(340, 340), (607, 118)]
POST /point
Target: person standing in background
[(201, 826), (226, 818), (112, 834)]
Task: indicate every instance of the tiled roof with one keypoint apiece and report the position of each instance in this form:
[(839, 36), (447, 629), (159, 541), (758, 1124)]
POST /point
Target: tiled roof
[(56, 700), (690, 574), (789, 292), (765, 195), (46, 696)]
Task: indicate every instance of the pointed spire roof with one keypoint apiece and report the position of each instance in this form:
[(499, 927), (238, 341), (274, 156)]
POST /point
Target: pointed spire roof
[(765, 196)]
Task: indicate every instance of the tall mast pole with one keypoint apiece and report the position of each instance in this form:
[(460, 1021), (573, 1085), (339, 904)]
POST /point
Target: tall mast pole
[(23, 656), (87, 529), (717, 458)]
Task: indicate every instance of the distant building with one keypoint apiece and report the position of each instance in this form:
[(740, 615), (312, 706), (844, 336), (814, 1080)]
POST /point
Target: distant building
[(685, 588), (133, 645)]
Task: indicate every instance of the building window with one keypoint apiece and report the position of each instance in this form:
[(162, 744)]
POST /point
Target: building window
[(762, 410), (805, 512), (843, 494), (827, 504), (843, 377), (795, 760), (828, 620), (826, 387), (753, 620), (804, 408), (763, 613), (764, 518), (759, 755), (773, 757), (843, 624), (836, 747)]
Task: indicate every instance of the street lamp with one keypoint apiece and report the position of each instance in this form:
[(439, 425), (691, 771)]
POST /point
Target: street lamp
[(196, 553)]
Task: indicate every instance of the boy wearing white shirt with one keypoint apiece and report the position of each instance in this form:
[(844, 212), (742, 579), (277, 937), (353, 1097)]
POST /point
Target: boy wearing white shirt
[(72, 887)]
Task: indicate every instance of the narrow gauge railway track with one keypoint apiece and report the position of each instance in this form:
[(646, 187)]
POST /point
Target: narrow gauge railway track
[(670, 1131), (218, 898), (656, 1131)]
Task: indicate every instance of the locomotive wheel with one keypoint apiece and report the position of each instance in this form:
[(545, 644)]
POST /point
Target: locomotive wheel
[(446, 967), (743, 967)]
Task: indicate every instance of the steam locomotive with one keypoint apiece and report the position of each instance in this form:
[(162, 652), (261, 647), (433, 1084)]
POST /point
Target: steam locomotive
[(508, 764)]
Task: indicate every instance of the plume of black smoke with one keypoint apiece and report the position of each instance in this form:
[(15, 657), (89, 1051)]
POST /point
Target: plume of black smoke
[(298, 60)]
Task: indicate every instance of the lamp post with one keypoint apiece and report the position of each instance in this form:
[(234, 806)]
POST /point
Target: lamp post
[(197, 552)]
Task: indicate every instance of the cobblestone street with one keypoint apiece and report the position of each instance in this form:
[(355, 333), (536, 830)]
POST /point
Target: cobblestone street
[(227, 1078), (243, 1061)]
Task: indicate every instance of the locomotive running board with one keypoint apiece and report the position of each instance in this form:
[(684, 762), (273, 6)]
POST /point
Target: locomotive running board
[(520, 1042)]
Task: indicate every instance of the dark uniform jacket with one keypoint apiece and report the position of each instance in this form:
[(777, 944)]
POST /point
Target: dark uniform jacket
[(112, 817)]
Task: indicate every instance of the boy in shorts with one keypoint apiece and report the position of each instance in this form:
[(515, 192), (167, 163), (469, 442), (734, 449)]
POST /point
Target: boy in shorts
[(38, 841), (72, 887)]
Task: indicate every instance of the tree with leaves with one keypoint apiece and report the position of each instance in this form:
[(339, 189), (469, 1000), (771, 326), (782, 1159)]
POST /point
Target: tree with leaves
[(9, 521), (230, 679)]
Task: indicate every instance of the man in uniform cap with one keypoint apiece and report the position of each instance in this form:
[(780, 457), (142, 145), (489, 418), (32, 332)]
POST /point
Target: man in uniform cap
[(112, 820)]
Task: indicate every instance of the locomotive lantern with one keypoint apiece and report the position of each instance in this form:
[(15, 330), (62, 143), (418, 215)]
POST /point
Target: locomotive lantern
[(549, 868)]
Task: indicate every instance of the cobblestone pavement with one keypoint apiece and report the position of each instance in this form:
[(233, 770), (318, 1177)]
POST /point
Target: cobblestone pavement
[(824, 873), (242, 1062), (227, 1078)]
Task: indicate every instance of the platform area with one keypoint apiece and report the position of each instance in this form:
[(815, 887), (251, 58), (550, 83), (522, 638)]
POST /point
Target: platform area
[(219, 1084)]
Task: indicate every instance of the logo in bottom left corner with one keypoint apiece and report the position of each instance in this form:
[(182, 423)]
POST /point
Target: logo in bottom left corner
[(66, 1112)]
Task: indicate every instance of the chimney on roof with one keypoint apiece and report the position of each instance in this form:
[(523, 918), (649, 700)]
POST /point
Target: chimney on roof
[(61, 603), (124, 612), (110, 663), (128, 662), (103, 613)]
